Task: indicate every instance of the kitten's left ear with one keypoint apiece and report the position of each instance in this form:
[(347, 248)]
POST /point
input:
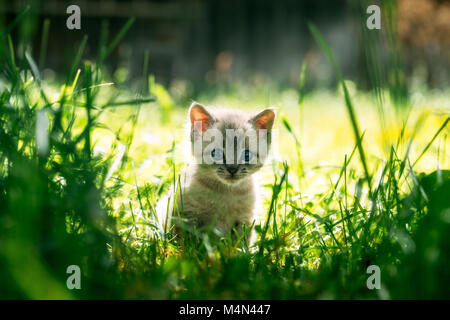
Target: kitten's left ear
[(198, 113), (264, 119)]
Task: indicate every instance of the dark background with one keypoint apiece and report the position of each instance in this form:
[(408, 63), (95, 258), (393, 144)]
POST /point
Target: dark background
[(206, 42)]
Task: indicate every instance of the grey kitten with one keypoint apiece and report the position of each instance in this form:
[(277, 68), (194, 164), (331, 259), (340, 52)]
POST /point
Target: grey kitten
[(218, 188)]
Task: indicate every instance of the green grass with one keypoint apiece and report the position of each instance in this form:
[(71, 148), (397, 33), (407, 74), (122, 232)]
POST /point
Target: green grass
[(83, 163)]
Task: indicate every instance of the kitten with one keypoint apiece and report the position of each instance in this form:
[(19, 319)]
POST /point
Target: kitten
[(218, 188)]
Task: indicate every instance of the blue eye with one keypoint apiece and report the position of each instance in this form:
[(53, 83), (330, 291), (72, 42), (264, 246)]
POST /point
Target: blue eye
[(217, 154), (246, 155)]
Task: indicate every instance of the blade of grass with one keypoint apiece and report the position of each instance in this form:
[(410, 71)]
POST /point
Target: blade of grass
[(44, 42), (432, 140), (301, 97), (276, 189), (15, 22), (348, 102), (107, 51)]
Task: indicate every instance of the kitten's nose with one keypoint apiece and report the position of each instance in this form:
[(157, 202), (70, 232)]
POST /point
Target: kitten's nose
[(232, 170)]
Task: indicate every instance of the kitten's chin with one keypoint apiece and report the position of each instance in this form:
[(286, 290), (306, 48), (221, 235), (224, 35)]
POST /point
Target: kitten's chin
[(229, 180)]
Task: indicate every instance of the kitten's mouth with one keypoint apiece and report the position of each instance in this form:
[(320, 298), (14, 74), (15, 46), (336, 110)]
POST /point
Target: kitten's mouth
[(228, 177)]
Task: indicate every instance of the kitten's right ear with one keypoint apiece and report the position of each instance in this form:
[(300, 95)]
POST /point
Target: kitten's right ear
[(264, 119), (200, 117)]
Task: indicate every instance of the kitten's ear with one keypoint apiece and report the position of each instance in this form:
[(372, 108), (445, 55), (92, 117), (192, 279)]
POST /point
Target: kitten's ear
[(264, 119), (198, 113)]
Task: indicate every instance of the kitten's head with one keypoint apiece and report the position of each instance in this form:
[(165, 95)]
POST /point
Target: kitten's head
[(228, 144)]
